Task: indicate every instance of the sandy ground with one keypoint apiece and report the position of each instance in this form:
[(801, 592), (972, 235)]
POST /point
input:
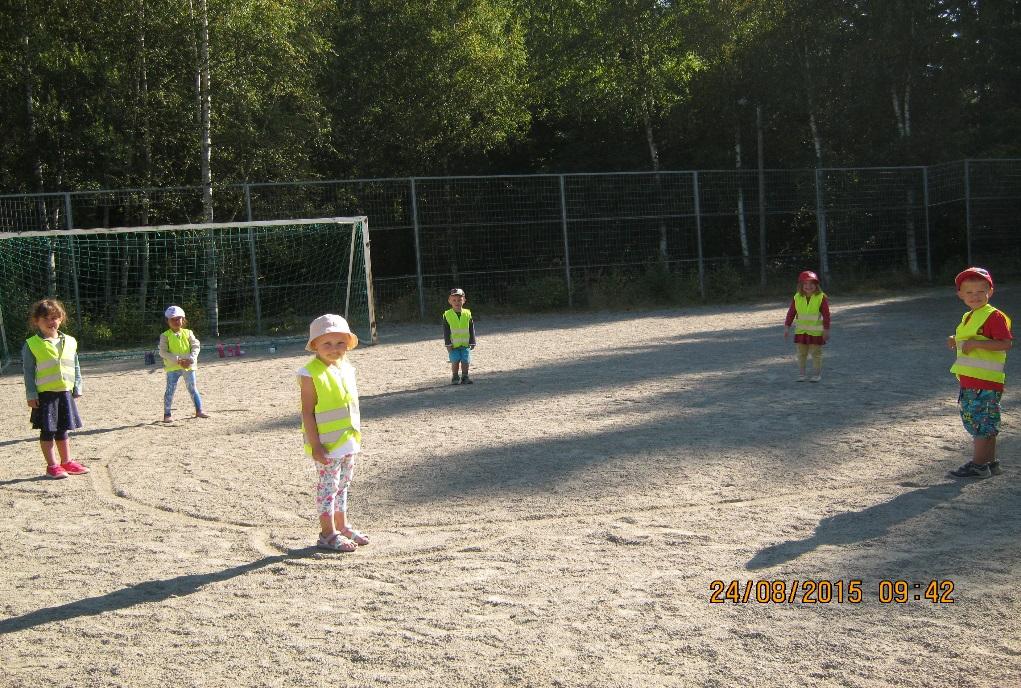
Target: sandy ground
[(559, 523)]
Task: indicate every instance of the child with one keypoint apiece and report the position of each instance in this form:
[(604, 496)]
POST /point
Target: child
[(981, 342), (179, 350), (53, 380), (330, 423), (458, 336), (812, 309)]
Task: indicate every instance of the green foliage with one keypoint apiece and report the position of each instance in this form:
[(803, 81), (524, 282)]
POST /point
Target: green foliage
[(543, 294), (401, 308), (102, 94), (422, 86), (652, 285), (724, 283), (92, 334)]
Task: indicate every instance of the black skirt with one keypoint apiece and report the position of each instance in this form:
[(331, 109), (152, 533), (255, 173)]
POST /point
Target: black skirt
[(56, 412)]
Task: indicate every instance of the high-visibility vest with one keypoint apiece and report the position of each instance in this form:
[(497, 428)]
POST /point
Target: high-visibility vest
[(54, 368), (978, 363), (809, 316), (179, 344), (336, 411), (459, 326)]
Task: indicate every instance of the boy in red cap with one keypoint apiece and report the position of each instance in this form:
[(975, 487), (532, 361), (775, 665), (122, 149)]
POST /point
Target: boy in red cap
[(981, 342)]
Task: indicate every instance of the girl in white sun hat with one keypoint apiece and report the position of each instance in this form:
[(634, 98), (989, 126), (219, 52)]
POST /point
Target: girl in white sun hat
[(330, 424)]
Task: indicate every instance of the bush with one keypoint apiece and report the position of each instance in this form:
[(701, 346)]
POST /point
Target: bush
[(724, 283), (652, 285), (400, 309), (94, 334), (543, 294)]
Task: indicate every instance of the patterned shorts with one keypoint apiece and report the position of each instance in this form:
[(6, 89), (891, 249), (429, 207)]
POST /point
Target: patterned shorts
[(980, 411)]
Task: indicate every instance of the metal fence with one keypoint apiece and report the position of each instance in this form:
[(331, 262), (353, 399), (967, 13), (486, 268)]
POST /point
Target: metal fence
[(551, 240)]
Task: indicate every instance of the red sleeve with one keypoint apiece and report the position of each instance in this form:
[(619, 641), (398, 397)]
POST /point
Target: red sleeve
[(791, 312), (995, 327), (824, 308)]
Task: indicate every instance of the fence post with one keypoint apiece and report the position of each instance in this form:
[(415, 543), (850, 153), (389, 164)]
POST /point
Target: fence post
[(762, 194), (418, 249), (74, 277), (69, 217), (253, 262), (820, 218), (567, 250), (248, 202), (370, 295), (928, 236), (5, 355), (697, 197), (967, 208)]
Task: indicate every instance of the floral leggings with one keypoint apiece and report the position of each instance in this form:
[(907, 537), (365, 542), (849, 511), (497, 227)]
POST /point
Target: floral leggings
[(334, 478)]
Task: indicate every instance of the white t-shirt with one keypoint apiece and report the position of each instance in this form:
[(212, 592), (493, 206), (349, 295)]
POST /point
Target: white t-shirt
[(345, 376)]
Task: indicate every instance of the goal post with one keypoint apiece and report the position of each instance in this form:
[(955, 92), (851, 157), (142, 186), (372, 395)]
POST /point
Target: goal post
[(253, 282)]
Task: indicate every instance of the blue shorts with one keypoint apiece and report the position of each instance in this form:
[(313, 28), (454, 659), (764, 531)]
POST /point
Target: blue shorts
[(461, 354), (980, 411)]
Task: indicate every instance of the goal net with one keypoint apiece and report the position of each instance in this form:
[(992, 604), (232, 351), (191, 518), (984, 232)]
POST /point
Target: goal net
[(252, 282)]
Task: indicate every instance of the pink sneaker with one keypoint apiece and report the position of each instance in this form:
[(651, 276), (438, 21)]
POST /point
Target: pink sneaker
[(56, 472), (74, 468)]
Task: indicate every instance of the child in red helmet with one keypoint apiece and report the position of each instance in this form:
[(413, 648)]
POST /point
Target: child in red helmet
[(981, 342), (811, 310)]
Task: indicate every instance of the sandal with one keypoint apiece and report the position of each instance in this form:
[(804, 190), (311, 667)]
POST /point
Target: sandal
[(355, 536), (336, 542)]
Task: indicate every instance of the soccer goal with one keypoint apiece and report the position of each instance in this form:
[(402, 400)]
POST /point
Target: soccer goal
[(254, 282)]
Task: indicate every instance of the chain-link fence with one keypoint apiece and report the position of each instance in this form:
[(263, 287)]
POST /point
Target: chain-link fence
[(548, 240)]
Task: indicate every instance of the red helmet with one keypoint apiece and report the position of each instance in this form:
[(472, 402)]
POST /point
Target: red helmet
[(973, 273), (808, 276)]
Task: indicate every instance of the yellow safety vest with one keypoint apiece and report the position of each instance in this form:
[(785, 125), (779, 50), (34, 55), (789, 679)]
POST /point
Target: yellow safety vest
[(337, 414), (978, 363), (179, 343), (809, 317), (459, 326), (54, 368)]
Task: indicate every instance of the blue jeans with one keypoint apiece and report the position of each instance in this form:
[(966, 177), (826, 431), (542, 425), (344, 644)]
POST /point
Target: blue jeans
[(189, 380)]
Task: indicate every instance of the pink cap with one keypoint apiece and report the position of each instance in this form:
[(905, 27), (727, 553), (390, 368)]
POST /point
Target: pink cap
[(327, 324)]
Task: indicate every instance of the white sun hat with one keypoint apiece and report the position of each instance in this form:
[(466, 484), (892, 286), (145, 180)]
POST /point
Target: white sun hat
[(327, 324), (174, 312)]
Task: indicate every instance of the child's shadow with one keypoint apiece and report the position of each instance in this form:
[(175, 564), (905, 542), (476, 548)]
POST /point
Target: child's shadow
[(856, 526), (147, 591), (76, 433), (34, 478)]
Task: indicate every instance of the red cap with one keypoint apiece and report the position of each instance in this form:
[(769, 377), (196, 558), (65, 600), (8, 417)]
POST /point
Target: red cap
[(973, 273), (808, 276)]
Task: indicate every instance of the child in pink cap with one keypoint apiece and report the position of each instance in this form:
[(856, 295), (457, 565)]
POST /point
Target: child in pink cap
[(809, 312)]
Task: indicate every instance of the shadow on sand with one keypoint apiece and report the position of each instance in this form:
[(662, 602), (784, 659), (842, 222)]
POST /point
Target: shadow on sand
[(148, 591)]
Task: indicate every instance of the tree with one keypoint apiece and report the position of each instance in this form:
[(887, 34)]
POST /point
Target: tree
[(422, 87)]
